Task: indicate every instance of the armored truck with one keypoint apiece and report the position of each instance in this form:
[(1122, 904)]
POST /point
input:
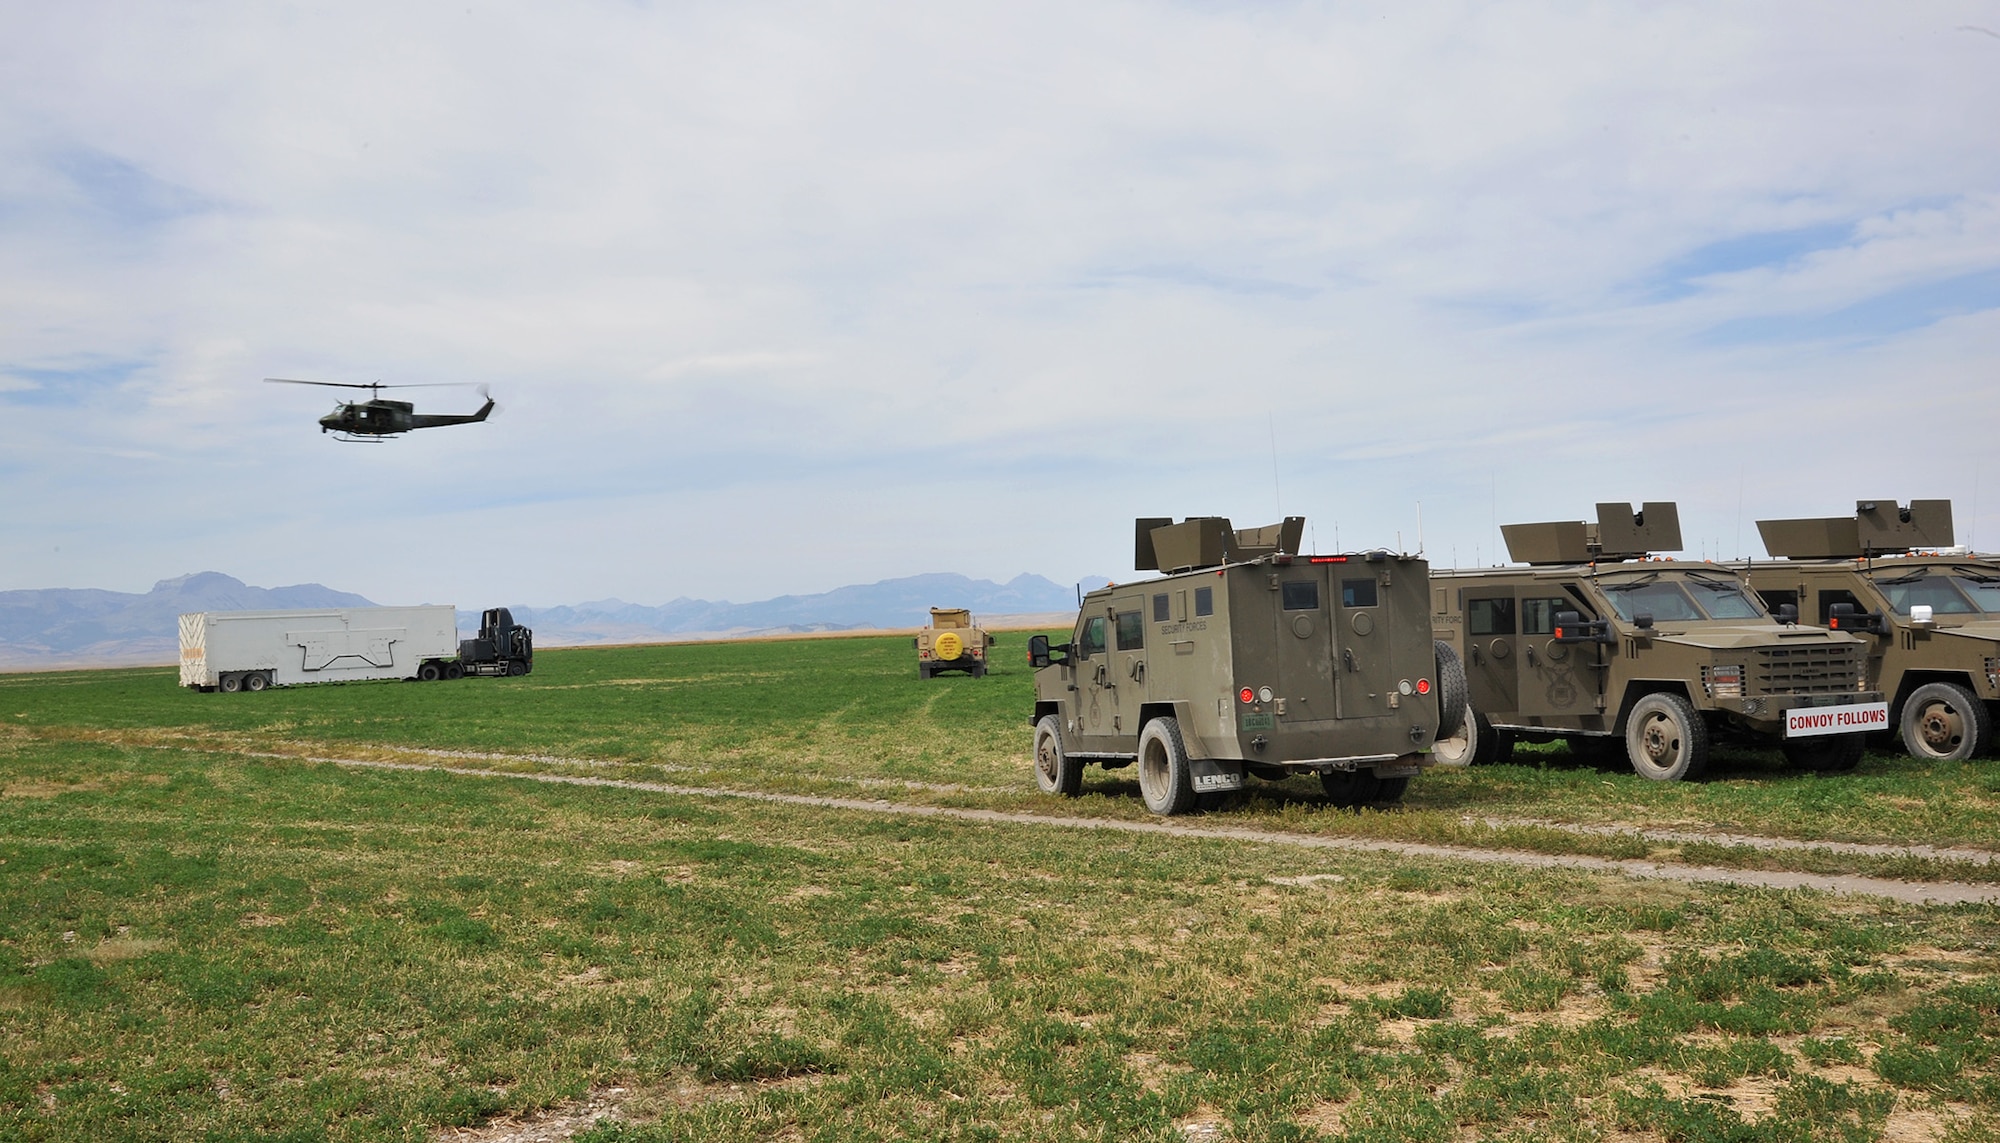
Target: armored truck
[(1928, 613), (1600, 643), (953, 642), (1246, 658)]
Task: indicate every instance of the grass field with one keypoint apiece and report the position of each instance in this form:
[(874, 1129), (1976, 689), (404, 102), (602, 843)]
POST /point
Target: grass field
[(204, 933)]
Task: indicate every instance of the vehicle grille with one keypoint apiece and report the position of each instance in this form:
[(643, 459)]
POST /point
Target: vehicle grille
[(1805, 670)]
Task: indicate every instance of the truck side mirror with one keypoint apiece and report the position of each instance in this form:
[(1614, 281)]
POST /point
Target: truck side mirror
[(1847, 617), (1788, 614), (1040, 654), (1643, 620), (1572, 627)]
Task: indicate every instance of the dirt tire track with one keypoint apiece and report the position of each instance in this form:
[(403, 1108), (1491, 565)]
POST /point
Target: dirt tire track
[(1910, 892)]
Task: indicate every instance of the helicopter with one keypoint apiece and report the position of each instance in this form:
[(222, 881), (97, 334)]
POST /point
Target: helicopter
[(375, 419)]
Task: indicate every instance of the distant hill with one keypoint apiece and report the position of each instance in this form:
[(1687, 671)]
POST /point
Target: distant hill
[(62, 626), (902, 602)]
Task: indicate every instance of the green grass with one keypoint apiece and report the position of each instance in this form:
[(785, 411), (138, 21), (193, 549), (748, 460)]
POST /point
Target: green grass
[(197, 942)]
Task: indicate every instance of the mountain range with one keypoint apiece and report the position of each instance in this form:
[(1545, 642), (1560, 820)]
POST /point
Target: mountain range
[(60, 627)]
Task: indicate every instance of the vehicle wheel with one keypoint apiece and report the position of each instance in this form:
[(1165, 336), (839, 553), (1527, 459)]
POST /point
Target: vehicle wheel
[(454, 671), (1453, 692), (255, 681), (979, 671), (231, 684), (1490, 747), (516, 668), (1826, 753), (1389, 790), (1666, 740), (430, 672), (923, 670), (1055, 771), (1166, 782), (1942, 723), (1462, 748), (1350, 788)]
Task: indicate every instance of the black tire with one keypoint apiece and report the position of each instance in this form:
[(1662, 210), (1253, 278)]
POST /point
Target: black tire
[(1462, 748), (1055, 771), (430, 672), (1665, 740), (1349, 789), (231, 684), (1166, 781), (1491, 746), (454, 671), (255, 681), (923, 670), (979, 671), (516, 668), (1825, 753), (1454, 694), (1944, 723)]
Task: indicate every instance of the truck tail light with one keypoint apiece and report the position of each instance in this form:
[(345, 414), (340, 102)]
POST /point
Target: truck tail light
[(1247, 695), (1423, 686)]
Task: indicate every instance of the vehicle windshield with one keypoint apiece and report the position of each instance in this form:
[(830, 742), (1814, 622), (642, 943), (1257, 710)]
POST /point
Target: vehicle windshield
[(1933, 591), (1688, 600), (1984, 593)]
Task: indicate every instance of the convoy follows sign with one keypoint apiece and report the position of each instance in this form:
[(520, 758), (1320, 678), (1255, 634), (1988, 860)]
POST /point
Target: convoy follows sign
[(1804, 722)]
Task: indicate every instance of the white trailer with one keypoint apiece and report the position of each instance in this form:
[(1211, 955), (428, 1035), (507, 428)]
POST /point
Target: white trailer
[(251, 650)]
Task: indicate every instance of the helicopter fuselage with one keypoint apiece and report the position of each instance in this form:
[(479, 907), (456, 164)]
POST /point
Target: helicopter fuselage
[(380, 418)]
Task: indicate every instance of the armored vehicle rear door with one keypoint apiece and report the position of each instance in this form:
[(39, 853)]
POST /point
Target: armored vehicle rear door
[(1492, 625), (1302, 646), (1364, 665)]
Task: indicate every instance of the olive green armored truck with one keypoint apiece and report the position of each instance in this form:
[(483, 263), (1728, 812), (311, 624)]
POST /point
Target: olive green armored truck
[(1930, 619), (1247, 658), (1598, 642), (953, 642)]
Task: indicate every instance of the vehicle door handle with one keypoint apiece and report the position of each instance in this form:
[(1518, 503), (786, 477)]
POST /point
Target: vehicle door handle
[(1138, 670), (1529, 648), (1478, 656), (1347, 656)]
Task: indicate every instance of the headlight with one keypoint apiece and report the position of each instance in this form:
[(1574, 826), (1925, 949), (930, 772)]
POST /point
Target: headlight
[(1724, 681)]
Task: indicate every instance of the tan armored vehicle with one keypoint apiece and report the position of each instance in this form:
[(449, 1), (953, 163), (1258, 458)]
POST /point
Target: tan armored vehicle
[(951, 643), (1617, 652), (1247, 658), (1930, 621)]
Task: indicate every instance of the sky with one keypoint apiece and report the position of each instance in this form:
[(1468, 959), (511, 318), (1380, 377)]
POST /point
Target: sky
[(780, 297)]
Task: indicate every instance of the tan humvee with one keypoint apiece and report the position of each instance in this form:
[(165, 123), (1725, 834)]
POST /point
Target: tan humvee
[(1601, 644), (1247, 658), (1930, 620), (953, 642)]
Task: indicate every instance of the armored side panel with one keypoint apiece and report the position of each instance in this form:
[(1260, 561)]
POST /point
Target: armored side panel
[(950, 617), (1556, 542), (1886, 527), (1621, 532), (1271, 539), (1824, 538), (1197, 542), (1143, 557)]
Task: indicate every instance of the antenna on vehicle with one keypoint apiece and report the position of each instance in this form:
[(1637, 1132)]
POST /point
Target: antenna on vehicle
[(1277, 493), (1420, 527)]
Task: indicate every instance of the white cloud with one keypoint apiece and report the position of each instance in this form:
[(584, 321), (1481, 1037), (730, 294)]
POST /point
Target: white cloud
[(852, 270)]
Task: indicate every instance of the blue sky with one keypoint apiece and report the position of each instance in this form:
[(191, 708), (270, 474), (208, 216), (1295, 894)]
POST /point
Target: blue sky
[(777, 298)]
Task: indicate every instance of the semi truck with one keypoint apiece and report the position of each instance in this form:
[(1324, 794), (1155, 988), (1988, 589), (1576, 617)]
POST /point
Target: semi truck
[(233, 651)]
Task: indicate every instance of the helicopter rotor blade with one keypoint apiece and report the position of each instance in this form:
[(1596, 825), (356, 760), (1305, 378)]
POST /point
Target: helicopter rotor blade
[(332, 384), (376, 384)]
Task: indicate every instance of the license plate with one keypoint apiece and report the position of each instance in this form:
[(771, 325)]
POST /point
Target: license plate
[(1807, 721)]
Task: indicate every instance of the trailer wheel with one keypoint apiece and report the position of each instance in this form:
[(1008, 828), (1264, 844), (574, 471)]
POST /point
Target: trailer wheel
[(1665, 739), (454, 671), (430, 672), (231, 683), (255, 681), (1055, 771), (1942, 723), (1166, 781)]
